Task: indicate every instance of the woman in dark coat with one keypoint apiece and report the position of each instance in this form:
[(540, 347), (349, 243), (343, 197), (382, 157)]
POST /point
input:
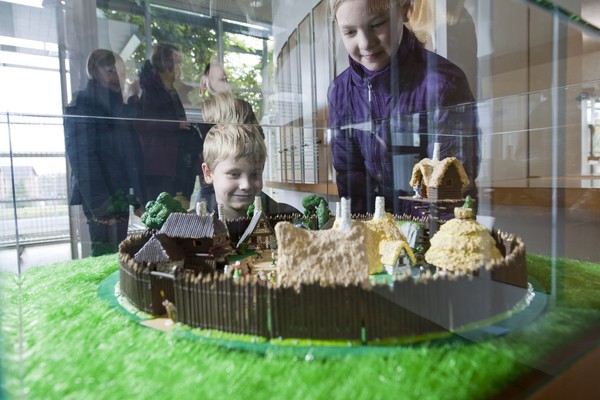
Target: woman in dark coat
[(104, 154), (171, 148)]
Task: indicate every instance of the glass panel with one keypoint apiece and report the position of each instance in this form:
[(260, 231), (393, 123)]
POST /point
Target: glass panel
[(107, 104)]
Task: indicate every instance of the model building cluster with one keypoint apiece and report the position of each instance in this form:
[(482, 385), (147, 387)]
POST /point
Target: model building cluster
[(372, 274)]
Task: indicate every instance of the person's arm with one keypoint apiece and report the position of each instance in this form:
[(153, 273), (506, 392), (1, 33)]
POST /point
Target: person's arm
[(347, 159), (458, 128), (86, 170)]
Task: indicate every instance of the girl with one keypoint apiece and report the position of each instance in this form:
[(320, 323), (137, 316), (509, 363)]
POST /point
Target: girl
[(392, 89)]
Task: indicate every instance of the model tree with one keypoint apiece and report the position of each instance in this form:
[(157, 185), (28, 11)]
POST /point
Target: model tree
[(315, 206), (157, 211)]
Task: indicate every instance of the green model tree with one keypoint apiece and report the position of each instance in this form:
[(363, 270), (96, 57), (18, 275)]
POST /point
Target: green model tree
[(315, 205), (250, 212), (157, 211)]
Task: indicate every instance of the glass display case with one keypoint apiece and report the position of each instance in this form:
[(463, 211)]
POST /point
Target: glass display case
[(79, 160)]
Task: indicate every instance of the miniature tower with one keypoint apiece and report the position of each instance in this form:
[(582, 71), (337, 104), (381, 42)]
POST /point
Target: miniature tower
[(436, 151), (257, 204), (220, 212), (201, 208), (379, 208), (345, 216)]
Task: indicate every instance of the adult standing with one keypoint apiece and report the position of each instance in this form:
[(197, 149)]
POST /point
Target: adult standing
[(393, 89), (171, 148), (104, 154)]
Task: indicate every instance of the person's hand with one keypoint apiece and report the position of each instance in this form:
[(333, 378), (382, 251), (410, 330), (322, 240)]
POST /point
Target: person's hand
[(185, 125)]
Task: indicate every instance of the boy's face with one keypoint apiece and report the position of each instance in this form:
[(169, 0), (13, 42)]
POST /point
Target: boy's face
[(371, 31), (236, 183)]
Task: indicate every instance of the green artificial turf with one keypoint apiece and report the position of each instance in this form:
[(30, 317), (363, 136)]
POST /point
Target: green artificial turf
[(61, 341)]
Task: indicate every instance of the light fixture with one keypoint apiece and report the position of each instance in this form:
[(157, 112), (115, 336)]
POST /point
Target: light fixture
[(256, 3)]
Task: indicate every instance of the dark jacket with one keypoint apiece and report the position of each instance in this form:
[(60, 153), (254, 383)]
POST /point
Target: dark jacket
[(102, 148), (374, 118), (158, 126)]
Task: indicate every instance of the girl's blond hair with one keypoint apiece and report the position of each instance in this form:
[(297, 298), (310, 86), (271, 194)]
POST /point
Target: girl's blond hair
[(234, 141), (410, 4), (225, 107)]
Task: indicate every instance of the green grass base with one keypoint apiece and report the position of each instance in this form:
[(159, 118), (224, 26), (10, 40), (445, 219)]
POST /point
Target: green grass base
[(61, 341)]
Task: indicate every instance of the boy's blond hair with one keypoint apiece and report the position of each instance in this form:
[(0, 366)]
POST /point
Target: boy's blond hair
[(234, 141)]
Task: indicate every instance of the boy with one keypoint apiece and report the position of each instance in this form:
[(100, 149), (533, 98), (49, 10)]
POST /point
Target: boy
[(234, 159)]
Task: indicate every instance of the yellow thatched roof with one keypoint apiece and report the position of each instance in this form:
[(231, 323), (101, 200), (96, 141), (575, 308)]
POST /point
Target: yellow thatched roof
[(432, 171), (462, 245)]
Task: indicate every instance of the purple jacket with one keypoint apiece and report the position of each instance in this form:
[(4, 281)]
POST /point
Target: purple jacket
[(386, 121)]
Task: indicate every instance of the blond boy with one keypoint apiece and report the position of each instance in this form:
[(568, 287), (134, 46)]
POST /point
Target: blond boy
[(234, 159)]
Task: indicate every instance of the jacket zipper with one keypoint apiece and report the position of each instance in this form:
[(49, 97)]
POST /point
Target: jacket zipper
[(375, 151)]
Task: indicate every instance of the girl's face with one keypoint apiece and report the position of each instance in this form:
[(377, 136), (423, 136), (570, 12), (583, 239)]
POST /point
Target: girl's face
[(217, 79), (371, 31), (236, 183)]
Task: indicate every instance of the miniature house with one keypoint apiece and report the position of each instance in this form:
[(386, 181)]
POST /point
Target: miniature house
[(440, 179), (202, 238), (259, 232), (163, 252)]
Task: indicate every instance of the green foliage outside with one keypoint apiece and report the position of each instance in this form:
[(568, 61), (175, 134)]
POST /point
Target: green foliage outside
[(198, 45)]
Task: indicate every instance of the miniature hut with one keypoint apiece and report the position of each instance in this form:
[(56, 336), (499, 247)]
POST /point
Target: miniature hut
[(259, 232), (162, 252), (202, 238), (390, 246), (462, 244), (437, 179)]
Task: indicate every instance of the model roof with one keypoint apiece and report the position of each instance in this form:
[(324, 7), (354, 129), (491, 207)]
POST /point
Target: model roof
[(432, 171), (193, 226), (160, 248)]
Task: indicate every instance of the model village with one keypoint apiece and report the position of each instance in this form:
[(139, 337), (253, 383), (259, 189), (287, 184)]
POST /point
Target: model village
[(310, 254)]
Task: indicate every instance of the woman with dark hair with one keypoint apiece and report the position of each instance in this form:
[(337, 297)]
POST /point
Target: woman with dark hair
[(104, 154), (171, 148)]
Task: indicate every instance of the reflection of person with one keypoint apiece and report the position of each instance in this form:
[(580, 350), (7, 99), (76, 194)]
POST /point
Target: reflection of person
[(171, 148), (221, 106), (393, 87), (234, 159), (461, 35), (214, 79), (104, 154)]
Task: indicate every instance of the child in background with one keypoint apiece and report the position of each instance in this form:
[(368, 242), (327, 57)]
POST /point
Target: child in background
[(392, 89), (234, 159), (221, 106)]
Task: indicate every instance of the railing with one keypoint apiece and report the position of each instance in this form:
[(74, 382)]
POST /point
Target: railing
[(33, 180)]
